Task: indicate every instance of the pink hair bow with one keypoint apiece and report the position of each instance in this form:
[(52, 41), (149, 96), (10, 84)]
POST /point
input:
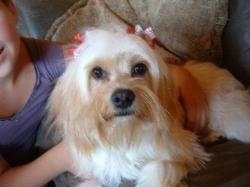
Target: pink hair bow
[(78, 39), (147, 34)]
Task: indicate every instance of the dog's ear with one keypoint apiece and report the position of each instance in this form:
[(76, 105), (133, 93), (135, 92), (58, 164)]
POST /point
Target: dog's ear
[(168, 94), (67, 111)]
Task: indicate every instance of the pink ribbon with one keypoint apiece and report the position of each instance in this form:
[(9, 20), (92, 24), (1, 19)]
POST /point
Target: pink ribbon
[(147, 34)]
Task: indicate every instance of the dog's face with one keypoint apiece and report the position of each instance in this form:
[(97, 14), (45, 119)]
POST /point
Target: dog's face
[(113, 90)]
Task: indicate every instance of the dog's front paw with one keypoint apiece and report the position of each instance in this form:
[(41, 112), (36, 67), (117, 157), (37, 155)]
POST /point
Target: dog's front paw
[(89, 183), (162, 174), (212, 138)]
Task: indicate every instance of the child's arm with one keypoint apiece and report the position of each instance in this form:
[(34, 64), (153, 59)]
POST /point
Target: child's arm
[(3, 165), (40, 171), (192, 98)]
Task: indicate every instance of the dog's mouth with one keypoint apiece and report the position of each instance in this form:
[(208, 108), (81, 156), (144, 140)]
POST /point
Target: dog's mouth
[(124, 113), (118, 114)]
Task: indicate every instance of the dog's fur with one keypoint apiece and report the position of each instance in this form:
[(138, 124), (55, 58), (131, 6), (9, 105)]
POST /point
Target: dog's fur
[(123, 120)]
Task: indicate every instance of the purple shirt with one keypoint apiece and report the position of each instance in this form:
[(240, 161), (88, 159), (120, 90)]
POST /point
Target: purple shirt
[(18, 133)]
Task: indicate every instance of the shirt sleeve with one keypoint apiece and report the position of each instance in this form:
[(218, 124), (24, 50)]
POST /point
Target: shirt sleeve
[(53, 60)]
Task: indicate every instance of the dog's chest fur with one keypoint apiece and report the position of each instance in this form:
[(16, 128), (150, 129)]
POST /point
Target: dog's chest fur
[(114, 164)]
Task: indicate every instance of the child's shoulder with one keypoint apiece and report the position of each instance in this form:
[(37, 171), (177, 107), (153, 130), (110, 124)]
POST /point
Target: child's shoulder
[(47, 57)]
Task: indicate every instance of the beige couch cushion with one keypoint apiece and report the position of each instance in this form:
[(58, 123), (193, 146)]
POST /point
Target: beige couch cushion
[(189, 29)]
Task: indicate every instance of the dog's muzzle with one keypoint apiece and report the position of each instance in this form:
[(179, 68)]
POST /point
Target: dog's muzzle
[(123, 99)]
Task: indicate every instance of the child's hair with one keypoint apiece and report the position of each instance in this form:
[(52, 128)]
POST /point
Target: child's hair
[(5, 1)]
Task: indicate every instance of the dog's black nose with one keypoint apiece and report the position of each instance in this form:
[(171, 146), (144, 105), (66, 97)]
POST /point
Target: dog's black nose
[(123, 98)]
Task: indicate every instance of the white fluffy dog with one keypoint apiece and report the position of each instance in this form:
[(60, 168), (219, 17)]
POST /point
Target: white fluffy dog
[(116, 106)]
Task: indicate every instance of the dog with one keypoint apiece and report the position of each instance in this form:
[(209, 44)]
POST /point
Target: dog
[(116, 106)]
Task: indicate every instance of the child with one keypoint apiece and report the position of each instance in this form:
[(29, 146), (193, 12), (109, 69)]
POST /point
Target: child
[(28, 71)]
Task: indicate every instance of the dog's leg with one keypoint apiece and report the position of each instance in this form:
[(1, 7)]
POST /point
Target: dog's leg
[(89, 183), (228, 100), (162, 174)]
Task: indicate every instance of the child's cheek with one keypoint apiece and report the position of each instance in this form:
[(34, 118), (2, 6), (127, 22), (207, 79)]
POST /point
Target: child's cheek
[(7, 30)]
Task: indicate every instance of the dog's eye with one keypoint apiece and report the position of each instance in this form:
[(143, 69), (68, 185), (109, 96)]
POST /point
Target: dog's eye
[(98, 73), (139, 69)]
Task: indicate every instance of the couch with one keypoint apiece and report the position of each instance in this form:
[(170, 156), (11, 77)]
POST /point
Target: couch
[(185, 29)]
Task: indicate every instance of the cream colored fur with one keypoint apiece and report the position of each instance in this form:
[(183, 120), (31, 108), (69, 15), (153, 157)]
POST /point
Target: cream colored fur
[(144, 142), (228, 100)]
